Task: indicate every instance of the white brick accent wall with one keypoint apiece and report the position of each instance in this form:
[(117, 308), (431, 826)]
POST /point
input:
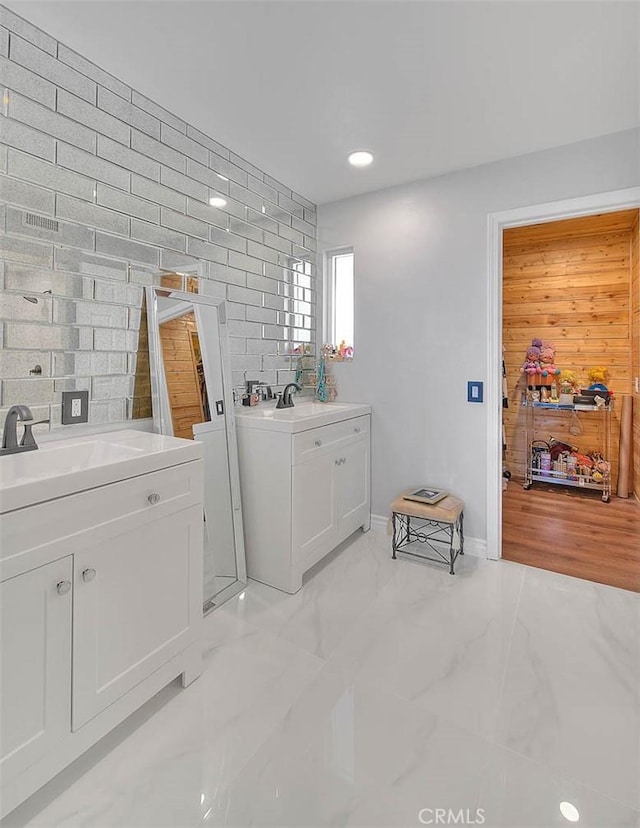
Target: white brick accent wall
[(127, 186)]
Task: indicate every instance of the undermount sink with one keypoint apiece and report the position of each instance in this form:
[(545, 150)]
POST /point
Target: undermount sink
[(61, 467), (304, 415)]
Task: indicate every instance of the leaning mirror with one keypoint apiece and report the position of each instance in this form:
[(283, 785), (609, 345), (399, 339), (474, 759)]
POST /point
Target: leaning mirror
[(192, 398)]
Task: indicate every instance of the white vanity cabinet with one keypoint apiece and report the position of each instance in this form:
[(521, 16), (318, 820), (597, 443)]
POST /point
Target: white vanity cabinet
[(101, 600), (35, 685), (305, 486)]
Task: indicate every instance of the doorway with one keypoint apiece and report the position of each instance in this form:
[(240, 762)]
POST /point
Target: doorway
[(570, 312)]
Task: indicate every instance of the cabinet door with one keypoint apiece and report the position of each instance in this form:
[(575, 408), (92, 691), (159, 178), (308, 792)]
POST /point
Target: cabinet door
[(313, 518), (137, 604), (352, 487), (35, 664)]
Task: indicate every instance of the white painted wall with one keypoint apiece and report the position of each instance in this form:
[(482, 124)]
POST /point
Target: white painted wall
[(421, 293)]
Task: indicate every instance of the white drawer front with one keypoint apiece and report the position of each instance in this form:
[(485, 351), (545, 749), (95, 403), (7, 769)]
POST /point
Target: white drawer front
[(28, 534), (327, 438)]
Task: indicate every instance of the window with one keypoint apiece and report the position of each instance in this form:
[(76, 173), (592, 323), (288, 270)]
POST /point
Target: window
[(339, 301), (298, 308)]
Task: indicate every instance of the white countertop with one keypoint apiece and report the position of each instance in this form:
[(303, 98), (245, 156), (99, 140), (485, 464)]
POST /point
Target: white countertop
[(63, 467), (303, 416)]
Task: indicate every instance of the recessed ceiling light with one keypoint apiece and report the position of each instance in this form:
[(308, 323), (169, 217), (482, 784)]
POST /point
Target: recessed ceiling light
[(217, 201), (569, 811), (360, 158)]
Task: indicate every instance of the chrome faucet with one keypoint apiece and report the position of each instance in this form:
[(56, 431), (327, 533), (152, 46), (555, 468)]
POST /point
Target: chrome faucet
[(284, 399), (10, 431)]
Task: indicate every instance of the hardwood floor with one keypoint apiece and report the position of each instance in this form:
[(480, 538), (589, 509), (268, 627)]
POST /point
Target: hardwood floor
[(574, 533)]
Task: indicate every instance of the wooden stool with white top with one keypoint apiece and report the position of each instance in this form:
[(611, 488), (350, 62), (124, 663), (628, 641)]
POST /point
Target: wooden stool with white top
[(416, 524)]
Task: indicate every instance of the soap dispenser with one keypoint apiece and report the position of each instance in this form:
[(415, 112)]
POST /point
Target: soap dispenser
[(256, 391), (251, 397)]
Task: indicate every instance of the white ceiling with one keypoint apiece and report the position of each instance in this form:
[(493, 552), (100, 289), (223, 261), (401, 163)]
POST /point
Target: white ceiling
[(429, 87)]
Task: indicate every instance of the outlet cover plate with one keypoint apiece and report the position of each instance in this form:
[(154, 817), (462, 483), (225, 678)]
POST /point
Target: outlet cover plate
[(75, 403)]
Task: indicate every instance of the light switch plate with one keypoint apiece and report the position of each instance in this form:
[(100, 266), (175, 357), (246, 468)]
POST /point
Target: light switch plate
[(475, 392), (75, 407)]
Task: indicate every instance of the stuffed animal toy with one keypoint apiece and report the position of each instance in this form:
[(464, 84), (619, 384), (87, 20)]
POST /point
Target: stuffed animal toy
[(558, 447), (601, 468), (547, 360), (584, 464), (568, 381), (531, 363), (598, 377)]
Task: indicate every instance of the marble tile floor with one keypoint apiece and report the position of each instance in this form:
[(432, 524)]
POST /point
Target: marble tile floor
[(382, 691)]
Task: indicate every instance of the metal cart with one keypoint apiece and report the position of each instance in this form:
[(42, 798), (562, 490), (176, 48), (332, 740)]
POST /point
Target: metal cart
[(563, 477)]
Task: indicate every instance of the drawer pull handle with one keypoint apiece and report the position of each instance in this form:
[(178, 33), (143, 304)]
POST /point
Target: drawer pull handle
[(154, 498), (340, 461), (63, 587), (88, 575), (318, 443)]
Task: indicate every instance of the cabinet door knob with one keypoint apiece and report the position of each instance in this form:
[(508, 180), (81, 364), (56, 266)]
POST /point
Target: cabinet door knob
[(337, 462), (154, 498), (357, 430), (62, 587), (88, 575), (318, 443)]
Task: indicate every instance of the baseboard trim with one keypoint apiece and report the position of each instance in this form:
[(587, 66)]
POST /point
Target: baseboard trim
[(472, 546), (476, 547), (379, 520)]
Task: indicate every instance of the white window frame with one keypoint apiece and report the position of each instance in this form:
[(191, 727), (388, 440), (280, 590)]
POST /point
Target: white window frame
[(328, 287)]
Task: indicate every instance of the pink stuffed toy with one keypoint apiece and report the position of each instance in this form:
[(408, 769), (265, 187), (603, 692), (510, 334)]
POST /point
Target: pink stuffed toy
[(532, 360), (547, 360)]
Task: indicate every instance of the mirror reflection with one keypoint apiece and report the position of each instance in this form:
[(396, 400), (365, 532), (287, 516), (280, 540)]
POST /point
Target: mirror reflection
[(192, 399)]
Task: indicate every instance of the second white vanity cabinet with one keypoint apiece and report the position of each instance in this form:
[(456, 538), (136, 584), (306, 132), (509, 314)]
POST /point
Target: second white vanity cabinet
[(305, 479), (100, 593)]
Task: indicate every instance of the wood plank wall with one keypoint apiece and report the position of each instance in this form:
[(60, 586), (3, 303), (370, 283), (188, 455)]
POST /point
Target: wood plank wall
[(142, 407), (178, 281), (635, 349), (568, 282), (182, 378)]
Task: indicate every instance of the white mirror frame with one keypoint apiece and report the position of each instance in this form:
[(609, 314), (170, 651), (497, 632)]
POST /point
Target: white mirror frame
[(162, 413)]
